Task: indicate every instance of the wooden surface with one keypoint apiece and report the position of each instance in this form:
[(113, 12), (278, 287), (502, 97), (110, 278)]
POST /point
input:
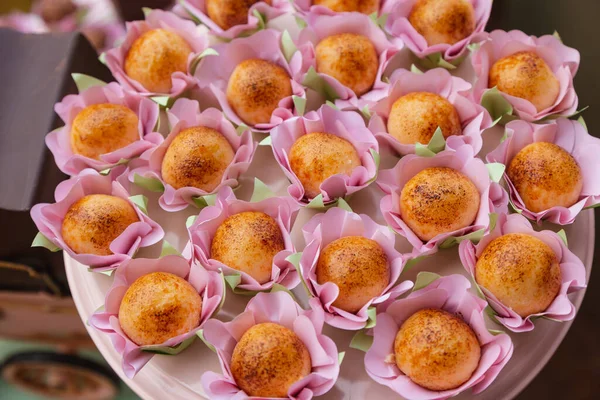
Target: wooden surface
[(574, 371)]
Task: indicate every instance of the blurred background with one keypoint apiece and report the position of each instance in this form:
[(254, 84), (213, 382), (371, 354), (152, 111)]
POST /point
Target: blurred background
[(45, 351)]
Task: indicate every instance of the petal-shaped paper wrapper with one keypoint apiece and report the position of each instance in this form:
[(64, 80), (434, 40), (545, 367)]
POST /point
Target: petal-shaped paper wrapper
[(398, 25), (213, 73), (158, 19), (279, 308), (49, 219), (112, 32), (208, 284), (24, 22), (474, 118), (186, 114), (449, 293), (571, 268), (305, 6), (494, 198), (267, 12), (59, 140), (321, 26), (575, 140), (336, 223), (562, 60), (348, 125), (282, 209)]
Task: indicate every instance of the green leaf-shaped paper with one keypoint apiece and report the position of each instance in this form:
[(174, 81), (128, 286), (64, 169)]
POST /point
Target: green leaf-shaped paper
[(261, 191), (563, 236), (42, 241), (372, 317), (203, 201), (151, 184), (168, 250), (287, 45), (361, 341), (435, 145), (315, 82), (84, 82), (208, 52), (200, 334), (141, 201), (496, 170), (343, 204), (496, 104), (299, 104), (424, 279), (169, 350)]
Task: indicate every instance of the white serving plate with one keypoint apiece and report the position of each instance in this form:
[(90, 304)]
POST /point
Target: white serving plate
[(178, 377)]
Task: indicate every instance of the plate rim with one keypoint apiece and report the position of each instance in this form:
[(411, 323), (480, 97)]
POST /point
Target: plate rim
[(112, 358)]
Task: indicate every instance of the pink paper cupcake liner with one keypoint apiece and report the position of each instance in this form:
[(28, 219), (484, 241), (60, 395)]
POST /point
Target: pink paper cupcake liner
[(449, 293), (571, 268), (208, 284), (348, 125), (213, 72), (305, 6), (473, 117), (281, 309), (185, 114), (59, 140), (322, 25), (493, 197), (24, 22), (336, 223), (267, 12), (49, 218), (570, 136), (158, 19), (399, 26), (562, 60), (282, 209)]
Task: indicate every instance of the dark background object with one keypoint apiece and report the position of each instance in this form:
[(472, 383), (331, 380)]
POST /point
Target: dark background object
[(574, 370), (131, 10), (35, 73)]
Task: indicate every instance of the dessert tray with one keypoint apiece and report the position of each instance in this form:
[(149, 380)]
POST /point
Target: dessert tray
[(174, 224)]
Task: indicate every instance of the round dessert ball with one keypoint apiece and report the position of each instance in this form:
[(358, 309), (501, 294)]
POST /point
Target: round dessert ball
[(363, 6), (154, 57), (197, 157), (94, 221), (349, 58), (229, 13), (157, 307), (255, 89), (437, 350), (103, 128), (526, 75), (415, 117), (443, 21), (317, 156), (268, 359), (545, 176), (521, 271), (248, 241), (438, 200), (358, 266)]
